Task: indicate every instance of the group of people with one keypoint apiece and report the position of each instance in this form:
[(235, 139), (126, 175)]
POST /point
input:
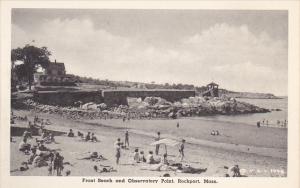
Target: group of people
[(90, 137), (165, 164), (43, 156), (46, 136), (14, 117), (41, 121), (265, 122), (40, 155), (215, 133), (139, 157)]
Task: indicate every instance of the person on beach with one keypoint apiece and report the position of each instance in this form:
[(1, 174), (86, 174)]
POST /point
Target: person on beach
[(104, 169), (94, 156), (278, 123), (157, 145), (58, 164), (71, 133), (51, 137), (24, 166), (258, 124), (164, 159), (33, 150), (128, 117), (285, 123), (181, 150), (50, 168), (136, 156), (12, 121), (27, 134), (94, 138), (118, 151), (44, 134), (126, 138), (48, 122), (150, 158), (35, 120), (118, 143), (30, 125), (40, 159), (88, 136), (142, 157), (189, 169), (80, 134), (233, 171), (24, 146)]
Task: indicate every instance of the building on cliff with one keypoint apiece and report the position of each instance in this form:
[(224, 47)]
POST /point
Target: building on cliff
[(54, 75)]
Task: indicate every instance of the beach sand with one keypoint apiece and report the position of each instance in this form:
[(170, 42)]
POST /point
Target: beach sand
[(261, 152)]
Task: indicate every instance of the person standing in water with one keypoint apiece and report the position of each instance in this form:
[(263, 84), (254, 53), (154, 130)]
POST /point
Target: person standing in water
[(177, 125), (126, 138)]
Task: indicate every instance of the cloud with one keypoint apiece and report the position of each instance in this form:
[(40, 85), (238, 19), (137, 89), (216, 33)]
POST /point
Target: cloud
[(230, 55)]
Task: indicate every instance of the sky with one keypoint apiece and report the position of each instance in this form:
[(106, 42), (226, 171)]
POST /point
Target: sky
[(241, 50)]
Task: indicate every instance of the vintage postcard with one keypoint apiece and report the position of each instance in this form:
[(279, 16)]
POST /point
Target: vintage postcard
[(153, 93)]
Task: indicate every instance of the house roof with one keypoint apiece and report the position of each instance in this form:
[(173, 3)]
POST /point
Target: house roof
[(213, 84), (54, 65)]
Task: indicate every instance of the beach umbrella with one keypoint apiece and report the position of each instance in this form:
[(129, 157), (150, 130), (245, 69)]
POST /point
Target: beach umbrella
[(166, 142)]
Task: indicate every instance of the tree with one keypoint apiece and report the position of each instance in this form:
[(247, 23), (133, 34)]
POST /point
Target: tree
[(31, 57)]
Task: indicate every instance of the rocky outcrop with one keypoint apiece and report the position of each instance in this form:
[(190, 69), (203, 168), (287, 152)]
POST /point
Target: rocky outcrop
[(153, 107), (249, 95)]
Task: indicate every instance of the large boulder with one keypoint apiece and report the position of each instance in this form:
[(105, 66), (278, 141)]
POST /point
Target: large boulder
[(89, 106)]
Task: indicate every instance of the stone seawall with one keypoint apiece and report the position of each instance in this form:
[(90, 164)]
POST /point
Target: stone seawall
[(109, 97), (112, 97), (67, 98)]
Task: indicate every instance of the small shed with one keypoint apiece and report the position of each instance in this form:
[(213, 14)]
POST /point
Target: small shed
[(212, 90)]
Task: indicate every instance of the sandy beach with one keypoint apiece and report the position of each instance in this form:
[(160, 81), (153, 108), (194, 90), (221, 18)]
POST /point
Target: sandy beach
[(259, 151)]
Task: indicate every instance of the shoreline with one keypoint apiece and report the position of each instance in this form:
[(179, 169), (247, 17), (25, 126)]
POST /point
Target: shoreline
[(203, 155)]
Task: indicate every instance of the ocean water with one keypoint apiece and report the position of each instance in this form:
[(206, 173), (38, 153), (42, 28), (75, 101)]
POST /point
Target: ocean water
[(234, 129), (251, 119)]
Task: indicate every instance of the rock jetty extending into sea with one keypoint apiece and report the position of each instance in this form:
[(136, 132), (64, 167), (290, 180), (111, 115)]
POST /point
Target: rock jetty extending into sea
[(151, 107)]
